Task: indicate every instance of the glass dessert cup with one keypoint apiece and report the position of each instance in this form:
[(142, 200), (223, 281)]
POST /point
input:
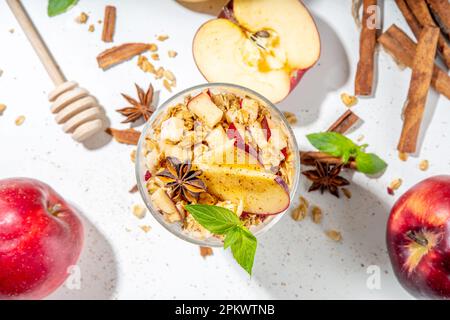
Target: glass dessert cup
[(176, 228)]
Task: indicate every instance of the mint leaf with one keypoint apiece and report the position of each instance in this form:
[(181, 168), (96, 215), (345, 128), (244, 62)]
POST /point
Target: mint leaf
[(244, 248), (215, 219), (56, 7), (231, 237), (337, 145), (334, 144), (219, 220), (369, 163)]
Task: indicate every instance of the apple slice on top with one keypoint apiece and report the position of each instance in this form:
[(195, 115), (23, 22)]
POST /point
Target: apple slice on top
[(264, 45), (262, 192)]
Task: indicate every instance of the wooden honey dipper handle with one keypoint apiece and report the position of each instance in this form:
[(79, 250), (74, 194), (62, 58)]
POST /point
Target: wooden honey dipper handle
[(36, 41)]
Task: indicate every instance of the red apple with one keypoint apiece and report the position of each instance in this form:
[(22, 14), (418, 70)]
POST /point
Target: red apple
[(41, 236), (418, 238), (264, 45)]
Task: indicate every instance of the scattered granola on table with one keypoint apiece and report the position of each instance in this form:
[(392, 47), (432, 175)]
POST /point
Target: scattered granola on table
[(2, 108), (146, 228), (424, 165), (139, 211), (20, 120), (82, 18), (316, 215), (395, 184), (290, 117), (334, 235), (348, 100)]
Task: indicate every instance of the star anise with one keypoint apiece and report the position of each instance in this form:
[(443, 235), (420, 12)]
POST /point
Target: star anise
[(183, 182), (142, 108), (326, 177)]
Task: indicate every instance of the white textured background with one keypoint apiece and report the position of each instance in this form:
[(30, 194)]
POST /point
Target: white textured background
[(295, 259)]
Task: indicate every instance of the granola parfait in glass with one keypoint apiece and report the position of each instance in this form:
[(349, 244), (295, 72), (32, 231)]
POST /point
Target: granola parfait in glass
[(220, 145)]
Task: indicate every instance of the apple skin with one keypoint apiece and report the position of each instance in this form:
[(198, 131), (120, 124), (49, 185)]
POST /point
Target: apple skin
[(233, 133), (296, 75), (425, 207), (41, 236)]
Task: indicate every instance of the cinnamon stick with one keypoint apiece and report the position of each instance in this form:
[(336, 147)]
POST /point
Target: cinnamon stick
[(422, 73), (367, 43), (128, 136), (308, 158), (413, 23), (344, 122), (119, 54), (420, 10), (109, 24), (402, 48), (441, 10)]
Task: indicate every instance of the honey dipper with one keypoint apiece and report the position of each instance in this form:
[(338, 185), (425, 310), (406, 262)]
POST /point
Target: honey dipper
[(74, 107)]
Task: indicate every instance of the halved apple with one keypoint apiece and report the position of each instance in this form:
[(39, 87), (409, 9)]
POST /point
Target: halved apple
[(261, 192), (264, 45)]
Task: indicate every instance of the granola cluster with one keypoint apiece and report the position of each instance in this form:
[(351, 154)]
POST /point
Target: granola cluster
[(200, 130)]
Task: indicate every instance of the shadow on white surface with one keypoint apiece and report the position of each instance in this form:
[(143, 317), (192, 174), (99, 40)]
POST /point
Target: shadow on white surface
[(97, 267), (331, 72), (307, 255), (430, 109)]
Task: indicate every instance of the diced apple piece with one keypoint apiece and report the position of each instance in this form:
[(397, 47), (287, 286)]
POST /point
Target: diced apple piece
[(261, 192), (274, 134), (152, 159), (216, 137), (203, 107), (237, 132), (266, 128), (251, 107), (172, 129), (258, 134), (162, 202), (175, 151), (229, 154)]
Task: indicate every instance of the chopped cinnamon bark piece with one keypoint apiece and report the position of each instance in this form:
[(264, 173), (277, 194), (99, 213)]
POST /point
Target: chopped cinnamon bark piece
[(344, 123), (309, 159), (422, 73), (367, 43), (206, 251), (402, 48), (441, 10), (109, 24), (128, 136), (413, 23), (119, 54), (420, 10)]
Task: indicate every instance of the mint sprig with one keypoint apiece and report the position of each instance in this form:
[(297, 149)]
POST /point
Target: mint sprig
[(337, 145), (222, 221), (56, 7)]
